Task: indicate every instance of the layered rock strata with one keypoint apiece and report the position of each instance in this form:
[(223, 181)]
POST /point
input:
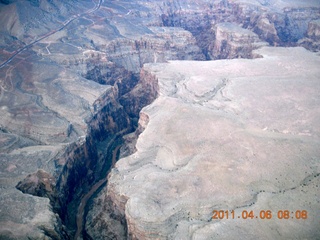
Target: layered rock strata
[(71, 87), (232, 41), (238, 135), (62, 148), (70, 106), (276, 22), (312, 39)]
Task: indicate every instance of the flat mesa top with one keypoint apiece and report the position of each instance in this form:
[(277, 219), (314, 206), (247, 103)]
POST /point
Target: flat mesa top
[(239, 134)]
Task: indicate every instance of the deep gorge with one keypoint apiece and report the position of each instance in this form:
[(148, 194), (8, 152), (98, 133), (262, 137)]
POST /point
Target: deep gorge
[(118, 111), (175, 33), (89, 161)]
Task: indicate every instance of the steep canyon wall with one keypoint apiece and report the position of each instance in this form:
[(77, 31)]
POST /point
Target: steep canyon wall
[(70, 99)]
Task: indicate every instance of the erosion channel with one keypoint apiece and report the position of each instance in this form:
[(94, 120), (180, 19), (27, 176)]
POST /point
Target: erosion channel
[(73, 82), (92, 160), (86, 198)]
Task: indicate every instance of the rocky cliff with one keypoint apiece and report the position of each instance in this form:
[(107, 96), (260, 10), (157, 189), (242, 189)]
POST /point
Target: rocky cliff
[(72, 90), (312, 40), (232, 41), (208, 153), (276, 22), (87, 162), (105, 217)]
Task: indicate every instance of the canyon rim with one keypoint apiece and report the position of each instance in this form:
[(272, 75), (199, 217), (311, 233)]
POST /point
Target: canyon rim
[(160, 119)]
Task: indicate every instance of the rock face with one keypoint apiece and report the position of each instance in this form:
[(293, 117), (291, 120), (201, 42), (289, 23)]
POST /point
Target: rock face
[(72, 88), (277, 22), (238, 135), (39, 184), (162, 45), (232, 41), (314, 30), (312, 40)]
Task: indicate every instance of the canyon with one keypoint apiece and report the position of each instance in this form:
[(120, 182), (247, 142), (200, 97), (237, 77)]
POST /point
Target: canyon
[(208, 105)]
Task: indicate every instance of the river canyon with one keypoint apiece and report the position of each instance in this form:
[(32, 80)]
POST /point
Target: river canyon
[(141, 119)]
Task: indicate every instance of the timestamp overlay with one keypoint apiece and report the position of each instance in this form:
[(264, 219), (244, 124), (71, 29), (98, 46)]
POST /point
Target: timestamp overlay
[(262, 214), (292, 214)]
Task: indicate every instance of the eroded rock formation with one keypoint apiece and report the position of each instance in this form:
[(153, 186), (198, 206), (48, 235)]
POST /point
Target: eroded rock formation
[(232, 41), (312, 39), (238, 135), (71, 92), (39, 184)]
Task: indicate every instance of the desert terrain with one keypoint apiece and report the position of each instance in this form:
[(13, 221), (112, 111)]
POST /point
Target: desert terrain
[(159, 119)]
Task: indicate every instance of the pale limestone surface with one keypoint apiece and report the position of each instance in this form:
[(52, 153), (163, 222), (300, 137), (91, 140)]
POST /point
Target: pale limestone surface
[(226, 135)]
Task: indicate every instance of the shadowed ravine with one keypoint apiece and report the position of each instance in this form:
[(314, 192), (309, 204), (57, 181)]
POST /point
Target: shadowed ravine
[(80, 80), (80, 215), (90, 167)]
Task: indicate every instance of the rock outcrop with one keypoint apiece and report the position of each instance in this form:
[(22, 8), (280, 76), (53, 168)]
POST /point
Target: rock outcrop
[(213, 138), (71, 92), (232, 41), (39, 184), (312, 39), (314, 30), (277, 22), (163, 44)]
